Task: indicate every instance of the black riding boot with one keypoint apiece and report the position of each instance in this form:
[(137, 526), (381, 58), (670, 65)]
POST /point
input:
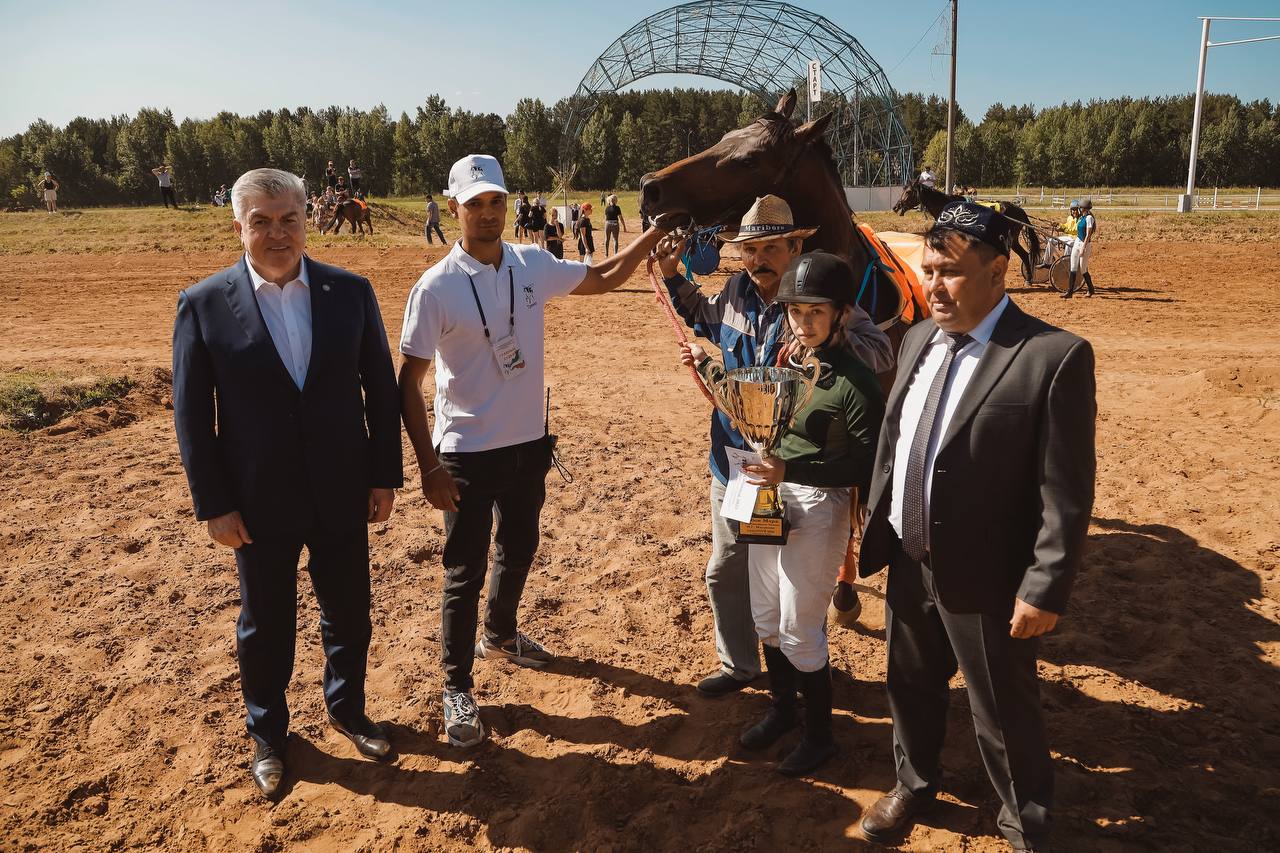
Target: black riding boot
[(1088, 282), (781, 717), (817, 745), (1071, 285)]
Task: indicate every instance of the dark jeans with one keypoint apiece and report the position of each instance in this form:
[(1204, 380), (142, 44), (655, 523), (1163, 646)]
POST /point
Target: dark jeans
[(268, 625), (434, 226), (167, 196), (507, 484), (926, 643)]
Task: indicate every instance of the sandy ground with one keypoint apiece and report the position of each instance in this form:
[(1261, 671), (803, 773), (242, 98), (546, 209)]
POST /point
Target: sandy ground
[(120, 718)]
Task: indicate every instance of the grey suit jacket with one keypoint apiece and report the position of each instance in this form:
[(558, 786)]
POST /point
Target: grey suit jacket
[(1013, 479)]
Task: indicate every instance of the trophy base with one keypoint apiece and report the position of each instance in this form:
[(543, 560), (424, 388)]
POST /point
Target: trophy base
[(763, 530)]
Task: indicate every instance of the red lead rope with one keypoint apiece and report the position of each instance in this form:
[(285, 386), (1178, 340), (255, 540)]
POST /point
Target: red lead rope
[(675, 324)]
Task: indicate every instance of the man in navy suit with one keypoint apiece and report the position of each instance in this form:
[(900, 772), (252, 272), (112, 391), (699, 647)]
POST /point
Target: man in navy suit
[(288, 420)]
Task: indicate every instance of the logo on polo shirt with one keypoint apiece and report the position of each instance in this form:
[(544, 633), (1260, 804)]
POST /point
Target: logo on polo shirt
[(529, 301)]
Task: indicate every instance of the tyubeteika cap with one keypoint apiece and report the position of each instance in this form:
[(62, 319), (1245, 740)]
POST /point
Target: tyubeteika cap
[(978, 221)]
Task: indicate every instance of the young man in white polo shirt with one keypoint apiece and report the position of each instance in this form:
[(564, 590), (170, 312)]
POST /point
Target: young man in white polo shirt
[(478, 314)]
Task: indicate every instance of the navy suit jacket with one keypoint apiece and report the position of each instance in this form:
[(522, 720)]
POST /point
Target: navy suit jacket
[(251, 440)]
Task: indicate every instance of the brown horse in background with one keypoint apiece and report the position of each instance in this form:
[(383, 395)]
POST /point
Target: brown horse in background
[(770, 155), (916, 194), (351, 211)]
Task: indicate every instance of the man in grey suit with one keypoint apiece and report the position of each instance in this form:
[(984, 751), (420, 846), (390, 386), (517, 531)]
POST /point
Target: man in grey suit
[(980, 502)]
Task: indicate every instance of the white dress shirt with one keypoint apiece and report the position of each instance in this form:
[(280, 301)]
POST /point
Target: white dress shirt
[(287, 312), (962, 368)]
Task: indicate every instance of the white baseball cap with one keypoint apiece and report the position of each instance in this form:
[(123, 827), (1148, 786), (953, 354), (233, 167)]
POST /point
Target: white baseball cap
[(475, 174)]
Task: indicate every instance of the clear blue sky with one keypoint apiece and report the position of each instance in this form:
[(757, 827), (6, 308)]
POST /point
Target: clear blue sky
[(104, 57)]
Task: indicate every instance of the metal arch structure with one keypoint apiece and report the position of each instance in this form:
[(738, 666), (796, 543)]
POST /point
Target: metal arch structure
[(764, 47)]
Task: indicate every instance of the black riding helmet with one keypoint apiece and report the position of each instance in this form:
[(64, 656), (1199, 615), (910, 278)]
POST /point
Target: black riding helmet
[(817, 277)]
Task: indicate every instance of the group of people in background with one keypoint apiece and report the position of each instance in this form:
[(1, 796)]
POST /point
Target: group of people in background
[(541, 225)]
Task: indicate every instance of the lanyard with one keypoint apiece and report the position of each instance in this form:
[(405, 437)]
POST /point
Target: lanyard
[(511, 281)]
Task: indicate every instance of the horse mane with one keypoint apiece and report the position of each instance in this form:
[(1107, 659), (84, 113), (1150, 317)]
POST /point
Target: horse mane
[(779, 129)]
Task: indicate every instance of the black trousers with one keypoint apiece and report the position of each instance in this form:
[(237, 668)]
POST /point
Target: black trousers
[(167, 197), (434, 226), (926, 643), (507, 484), (338, 562)]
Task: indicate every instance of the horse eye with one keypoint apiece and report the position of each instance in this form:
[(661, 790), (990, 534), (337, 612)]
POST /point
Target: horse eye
[(748, 161)]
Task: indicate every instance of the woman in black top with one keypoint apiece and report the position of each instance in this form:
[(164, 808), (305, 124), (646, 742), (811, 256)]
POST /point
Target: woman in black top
[(612, 219), (586, 244), (331, 175), (538, 223), (554, 234), (50, 186)]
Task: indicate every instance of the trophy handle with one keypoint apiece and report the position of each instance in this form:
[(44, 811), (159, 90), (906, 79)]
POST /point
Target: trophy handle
[(719, 388), (812, 370)]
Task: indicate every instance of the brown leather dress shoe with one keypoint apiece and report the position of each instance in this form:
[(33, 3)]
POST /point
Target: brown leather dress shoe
[(370, 738), (893, 814), (267, 770)]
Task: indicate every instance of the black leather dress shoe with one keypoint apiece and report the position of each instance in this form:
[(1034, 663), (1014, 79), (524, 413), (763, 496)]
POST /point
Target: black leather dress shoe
[(370, 738), (267, 770), (720, 684), (893, 814)]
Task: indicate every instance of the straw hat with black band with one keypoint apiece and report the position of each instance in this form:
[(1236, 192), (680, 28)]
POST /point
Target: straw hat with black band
[(770, 217)]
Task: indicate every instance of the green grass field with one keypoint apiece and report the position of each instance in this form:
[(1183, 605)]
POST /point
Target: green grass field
[(399, 222)]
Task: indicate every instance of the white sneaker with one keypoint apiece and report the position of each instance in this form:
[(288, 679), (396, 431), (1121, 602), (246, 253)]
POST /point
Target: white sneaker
[(521, 651), (462, 719)]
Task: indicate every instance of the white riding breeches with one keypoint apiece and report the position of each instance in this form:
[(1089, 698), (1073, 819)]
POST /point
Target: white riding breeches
[(791, 584), (1080, 252)]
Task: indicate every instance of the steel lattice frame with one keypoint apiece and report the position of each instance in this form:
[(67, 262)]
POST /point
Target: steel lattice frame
[(764, 47)]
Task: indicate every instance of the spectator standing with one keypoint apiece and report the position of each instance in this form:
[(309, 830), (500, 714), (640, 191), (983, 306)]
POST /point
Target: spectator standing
[(433, 220), (612, 219), (165, 177), (354, 176), (331, 175), (538, 223), (522, 218), (586, 242), (574, 212), (50, 186), (554, 236)]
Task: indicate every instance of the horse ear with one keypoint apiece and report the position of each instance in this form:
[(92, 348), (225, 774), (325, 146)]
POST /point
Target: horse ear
[(786, 104), (814, 129)]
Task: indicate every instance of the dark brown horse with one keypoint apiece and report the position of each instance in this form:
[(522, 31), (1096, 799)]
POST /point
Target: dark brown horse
[(916, 194), (770, 155), (351, 211)]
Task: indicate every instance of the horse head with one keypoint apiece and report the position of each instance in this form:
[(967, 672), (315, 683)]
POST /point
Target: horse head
[(910, 198), (716, 186)]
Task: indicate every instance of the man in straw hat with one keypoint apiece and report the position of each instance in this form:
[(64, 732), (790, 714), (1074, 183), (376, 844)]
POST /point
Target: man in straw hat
[(747, 324)]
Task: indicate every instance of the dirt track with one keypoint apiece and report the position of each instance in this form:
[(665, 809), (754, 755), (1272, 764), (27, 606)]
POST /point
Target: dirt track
[(120, 717)]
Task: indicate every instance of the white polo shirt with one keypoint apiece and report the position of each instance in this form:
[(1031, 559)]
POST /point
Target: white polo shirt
[(475, 407)]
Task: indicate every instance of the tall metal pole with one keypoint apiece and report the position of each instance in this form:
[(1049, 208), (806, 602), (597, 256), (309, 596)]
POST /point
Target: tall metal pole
[(1188, 201), (951, 104)]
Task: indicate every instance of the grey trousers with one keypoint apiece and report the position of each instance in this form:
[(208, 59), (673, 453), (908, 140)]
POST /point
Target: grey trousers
[(728, 586)]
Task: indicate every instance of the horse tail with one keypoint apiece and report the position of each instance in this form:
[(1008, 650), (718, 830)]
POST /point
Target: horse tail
[(1033, 236)]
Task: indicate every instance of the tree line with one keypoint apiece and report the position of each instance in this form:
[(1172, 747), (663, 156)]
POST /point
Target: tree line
[(1122, 141)]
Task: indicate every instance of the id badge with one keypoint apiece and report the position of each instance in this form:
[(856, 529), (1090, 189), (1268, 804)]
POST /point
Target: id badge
[(510, 359)]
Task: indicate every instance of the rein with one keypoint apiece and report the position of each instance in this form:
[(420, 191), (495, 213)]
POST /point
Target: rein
[(675, 324)]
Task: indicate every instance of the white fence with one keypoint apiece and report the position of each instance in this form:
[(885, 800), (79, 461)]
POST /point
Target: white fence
[(872, 198), (1049, 198)]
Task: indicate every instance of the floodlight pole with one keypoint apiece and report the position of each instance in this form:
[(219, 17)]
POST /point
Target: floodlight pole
[(1186, 203), (951, 104)]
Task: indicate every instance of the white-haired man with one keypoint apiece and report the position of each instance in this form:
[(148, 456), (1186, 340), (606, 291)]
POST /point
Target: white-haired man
[(477, 315), (288, 420)]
